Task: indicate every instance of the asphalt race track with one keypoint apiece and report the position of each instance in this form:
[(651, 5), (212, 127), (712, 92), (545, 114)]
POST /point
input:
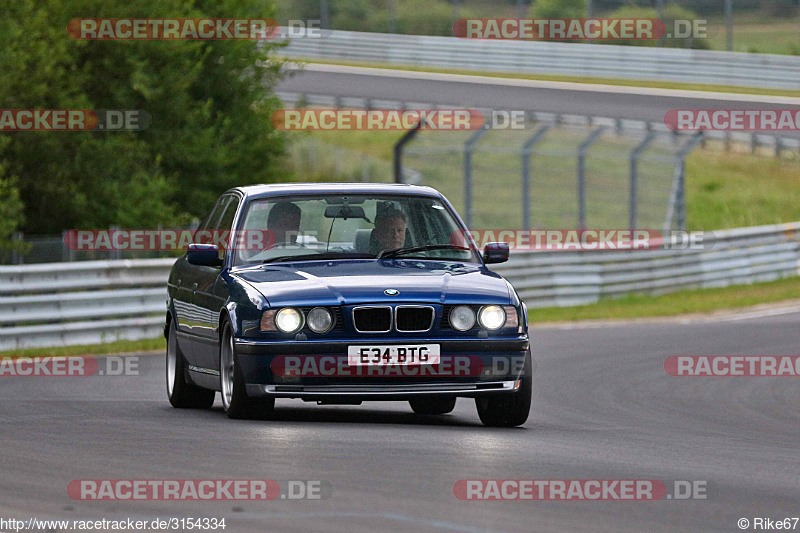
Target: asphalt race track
[(505, 94), (604, 408)]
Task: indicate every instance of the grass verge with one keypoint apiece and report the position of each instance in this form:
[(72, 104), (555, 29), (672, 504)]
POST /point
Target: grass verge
[(674, 304), (143, 345)]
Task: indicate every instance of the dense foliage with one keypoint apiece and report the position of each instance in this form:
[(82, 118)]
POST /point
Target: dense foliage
[(210, 103)]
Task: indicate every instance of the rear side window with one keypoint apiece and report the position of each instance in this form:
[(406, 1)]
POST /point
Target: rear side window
[(226, 217), (200, 237)]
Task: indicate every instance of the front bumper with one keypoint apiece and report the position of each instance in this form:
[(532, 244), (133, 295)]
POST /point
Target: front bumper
[(383, 392), (500, 360)]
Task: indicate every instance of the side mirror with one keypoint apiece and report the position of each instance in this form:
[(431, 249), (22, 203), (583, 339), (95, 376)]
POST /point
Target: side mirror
[(495, 252), (204, 255)]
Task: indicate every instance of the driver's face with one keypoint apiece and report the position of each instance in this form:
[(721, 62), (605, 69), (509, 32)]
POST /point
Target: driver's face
[(287, 228), (392, 233)]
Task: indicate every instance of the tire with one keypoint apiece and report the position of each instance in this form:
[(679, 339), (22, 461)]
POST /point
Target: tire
[(181, 393), (235, 401), (508, 410), (433, 405)]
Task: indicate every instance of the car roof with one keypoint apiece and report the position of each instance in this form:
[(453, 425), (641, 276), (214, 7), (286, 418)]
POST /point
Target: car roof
[(285, 189)]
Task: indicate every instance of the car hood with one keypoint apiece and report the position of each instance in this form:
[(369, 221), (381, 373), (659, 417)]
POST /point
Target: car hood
[(347, 282)]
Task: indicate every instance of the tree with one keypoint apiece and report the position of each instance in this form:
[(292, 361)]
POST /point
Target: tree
[(11, 216), (559, 9), (210, 103)]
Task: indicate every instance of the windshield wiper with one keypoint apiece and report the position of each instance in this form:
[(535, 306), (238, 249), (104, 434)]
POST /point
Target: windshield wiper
[(413, 249), (317, 257)]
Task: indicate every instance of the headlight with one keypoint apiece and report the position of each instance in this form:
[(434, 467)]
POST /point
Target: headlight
[(320, 320), (462, 318), (289, 320), (491, 317)]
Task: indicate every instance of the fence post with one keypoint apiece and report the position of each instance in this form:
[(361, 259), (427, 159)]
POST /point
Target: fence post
[(660, 9), (398, 150), (582, 149), (16, 248), (634, 171), (729, 25), (678, 194), (392, 25), (65, 251), (114, 254), (324, 14), (364, 169), (468, 147), (527, 150)]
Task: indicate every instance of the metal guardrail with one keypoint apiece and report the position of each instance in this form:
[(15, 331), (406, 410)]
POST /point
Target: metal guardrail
[(740, 256), (571, 59), (58, 304), (91, 302)]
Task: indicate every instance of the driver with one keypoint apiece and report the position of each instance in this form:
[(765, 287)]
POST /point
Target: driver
[(284, 222), (389, 232)]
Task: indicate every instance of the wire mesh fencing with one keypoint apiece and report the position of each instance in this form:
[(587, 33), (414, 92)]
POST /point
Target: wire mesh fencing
[(560, 175)]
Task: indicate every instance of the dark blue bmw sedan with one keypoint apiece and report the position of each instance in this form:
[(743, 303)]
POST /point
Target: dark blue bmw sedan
[(344, 293)]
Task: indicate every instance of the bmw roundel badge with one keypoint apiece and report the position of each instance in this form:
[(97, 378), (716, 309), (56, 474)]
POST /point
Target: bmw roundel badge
[(391, 292)]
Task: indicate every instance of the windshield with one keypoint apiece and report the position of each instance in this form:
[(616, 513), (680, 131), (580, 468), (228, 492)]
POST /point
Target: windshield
[(352, 226)]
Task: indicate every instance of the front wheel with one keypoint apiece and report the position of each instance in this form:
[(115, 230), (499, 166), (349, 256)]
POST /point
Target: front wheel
[(509, 410), (180, 392), (234, 396)]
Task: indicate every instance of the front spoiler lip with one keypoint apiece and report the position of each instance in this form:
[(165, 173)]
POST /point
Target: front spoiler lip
[(381, 392), (246, 346)]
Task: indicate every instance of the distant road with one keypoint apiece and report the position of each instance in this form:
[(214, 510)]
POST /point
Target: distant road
[(506, 93)]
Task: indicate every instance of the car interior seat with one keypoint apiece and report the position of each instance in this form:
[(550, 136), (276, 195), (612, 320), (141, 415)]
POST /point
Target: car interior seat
[(362, 240)]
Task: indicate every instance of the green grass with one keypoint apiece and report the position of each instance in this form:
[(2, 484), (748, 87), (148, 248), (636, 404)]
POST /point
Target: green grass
[(724, 189), (730, 190), (753, 32), (144, 345), (676, 303), (570, 79)]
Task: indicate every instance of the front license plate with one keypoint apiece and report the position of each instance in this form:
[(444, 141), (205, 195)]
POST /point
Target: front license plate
[(395, 354)]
